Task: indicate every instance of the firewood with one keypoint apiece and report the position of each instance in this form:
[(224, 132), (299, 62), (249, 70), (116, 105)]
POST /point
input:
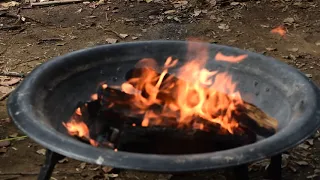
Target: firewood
[(167, 140), (115, 130), (249, 115)]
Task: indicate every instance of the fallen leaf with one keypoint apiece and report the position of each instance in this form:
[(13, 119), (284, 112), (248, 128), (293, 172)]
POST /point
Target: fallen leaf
[(3, 150), (302, 163), (9, 4), (83, 165), (4, 143), (5, 90), (112, 175), (293, 169), (10, 82), (309, 75), (14, 148), (111, 40), (293, 57), (115, 10), (123, 35), (61, 44), (264, 26), (100, 2), (310, 141), (316, 171), (212, 2), (197, 12), (106, 169), (94, 169), (285, 160), (312, 176), (93, 5), (148, 1), (271, 49), (223, 26), (6, 120), (234, 3), (304, 146), (293, 49), (180, 4), (41, 151), (317, 43), (13, 135), (64, 160), (288, 20), (170, 11), (177, 19), (79, 11), (134, 37)]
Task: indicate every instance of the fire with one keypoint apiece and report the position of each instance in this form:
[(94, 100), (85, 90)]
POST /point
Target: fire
[(193, 92), (80, 129), (197, 97), (281, 30)]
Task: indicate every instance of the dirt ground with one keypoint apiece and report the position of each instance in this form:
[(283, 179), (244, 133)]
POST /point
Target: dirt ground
[(30, 36)]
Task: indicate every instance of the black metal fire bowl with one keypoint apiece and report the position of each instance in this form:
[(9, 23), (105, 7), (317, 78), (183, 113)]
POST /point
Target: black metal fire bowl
[(49, 94)]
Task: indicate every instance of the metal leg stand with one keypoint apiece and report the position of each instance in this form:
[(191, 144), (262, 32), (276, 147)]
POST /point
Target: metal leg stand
[(52, 159), (274, 169), (241, 172)]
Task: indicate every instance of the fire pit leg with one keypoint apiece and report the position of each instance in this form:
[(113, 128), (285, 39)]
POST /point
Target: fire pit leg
[(52, 159), (274, 169), (241, 172)]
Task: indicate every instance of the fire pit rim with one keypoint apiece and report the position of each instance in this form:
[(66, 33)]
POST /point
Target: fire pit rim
[(19, 110)]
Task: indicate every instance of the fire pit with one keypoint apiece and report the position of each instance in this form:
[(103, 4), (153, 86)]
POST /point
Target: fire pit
[(67, 87)]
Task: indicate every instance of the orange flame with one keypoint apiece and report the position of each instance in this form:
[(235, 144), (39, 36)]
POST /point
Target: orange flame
[(94, 96), (79, 129), (231, 59), (78, 112), (281, 30), (190, 98), (193, 92)]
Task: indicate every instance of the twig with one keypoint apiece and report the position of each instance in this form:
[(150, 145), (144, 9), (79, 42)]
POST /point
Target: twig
[(54, 2), (18, 173), (3, 97), (12, 74), (14, 138), (19, 17), (13, 27), (4, 51), (33, 173), (112, 31)]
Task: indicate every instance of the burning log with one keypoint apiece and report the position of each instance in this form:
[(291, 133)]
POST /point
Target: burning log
[(112, 129), (248, 115)]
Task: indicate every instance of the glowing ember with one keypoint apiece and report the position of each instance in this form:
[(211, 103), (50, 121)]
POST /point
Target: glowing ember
[(281, 30), (94, 97)]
